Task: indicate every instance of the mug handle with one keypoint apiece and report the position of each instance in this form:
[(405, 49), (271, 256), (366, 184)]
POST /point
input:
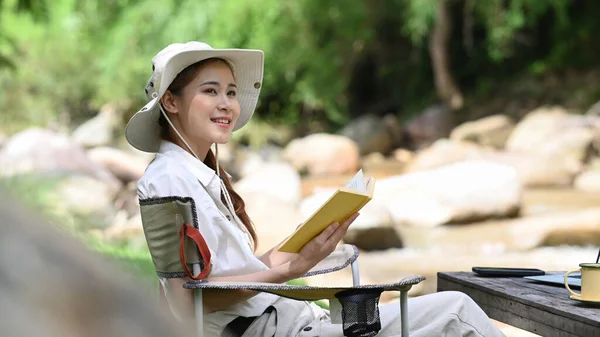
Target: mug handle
[(567, 283)]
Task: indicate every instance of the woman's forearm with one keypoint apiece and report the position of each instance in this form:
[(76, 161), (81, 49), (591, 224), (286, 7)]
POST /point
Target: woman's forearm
[(274, 258), (215, 300)]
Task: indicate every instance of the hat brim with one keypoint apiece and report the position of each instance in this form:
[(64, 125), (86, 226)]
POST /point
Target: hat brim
[(143, 131)]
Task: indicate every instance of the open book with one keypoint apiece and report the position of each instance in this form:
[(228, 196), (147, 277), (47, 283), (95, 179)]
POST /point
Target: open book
[(339, 207)]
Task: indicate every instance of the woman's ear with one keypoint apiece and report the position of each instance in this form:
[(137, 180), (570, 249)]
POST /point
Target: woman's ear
[(168, 102)]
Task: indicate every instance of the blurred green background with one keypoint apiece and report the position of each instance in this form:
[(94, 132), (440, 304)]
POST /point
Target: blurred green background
[(63, 59)]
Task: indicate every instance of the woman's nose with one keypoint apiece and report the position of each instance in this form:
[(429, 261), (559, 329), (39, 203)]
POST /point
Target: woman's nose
[(224, 102)]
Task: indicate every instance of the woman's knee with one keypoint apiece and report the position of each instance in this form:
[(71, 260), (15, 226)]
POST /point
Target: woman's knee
[(458, 301), (454, 295)]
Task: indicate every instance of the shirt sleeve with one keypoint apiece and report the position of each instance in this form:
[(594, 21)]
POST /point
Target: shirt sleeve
[(170, 185)]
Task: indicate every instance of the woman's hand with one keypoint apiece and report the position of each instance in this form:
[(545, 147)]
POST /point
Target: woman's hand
[(320, 247)]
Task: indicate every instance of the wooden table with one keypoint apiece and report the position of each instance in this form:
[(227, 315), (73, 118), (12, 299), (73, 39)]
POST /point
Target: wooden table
[(543, 309)]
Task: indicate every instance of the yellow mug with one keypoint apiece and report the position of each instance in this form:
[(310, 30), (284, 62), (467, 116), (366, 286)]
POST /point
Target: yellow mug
[(590, 282)]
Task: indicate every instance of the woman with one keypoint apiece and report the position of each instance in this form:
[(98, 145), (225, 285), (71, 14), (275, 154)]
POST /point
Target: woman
[(198, 97)]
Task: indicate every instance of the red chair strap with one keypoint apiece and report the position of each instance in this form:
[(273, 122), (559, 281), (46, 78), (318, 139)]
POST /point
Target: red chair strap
[(192, 233)]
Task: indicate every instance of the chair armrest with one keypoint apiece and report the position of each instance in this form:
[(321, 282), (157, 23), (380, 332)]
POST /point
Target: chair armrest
[(304, 293), (341, 258)]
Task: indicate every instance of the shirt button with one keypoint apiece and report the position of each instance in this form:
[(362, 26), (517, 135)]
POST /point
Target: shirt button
[(228, 217), (308, 328)]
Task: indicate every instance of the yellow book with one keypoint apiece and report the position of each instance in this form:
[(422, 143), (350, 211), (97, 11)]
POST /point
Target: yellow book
[(339, 207)]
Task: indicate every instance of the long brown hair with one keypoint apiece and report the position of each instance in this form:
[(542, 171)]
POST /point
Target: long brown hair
[(181, 80)]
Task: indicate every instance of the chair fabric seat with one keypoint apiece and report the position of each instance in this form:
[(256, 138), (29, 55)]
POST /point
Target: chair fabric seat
[(304, 293)]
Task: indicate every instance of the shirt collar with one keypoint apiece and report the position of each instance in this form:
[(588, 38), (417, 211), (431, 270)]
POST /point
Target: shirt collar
[(202, 172)]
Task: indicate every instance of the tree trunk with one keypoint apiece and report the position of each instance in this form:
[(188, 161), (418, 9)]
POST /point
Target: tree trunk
[(440, 59)]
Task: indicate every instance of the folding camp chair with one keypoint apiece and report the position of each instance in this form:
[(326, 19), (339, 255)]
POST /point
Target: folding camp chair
[(173, 251)]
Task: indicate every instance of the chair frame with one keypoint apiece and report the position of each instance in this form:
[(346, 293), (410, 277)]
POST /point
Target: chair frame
[(198, 303)]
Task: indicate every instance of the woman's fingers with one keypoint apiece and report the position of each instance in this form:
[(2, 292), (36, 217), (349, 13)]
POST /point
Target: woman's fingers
[(338, 235), (321, 246), (351, 219), (335, 227), (331, 235), (329, 231)]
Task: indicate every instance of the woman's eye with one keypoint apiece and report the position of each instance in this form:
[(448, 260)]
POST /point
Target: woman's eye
[(210, 91), (231, 93)]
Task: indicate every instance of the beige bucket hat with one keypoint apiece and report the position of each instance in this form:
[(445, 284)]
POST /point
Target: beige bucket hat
[(143, 131)]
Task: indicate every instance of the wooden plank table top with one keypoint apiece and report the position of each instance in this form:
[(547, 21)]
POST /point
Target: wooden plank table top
[(542, 309)]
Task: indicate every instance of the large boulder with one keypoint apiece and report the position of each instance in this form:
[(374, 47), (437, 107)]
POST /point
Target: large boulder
[(552, 228), (124, 229), (248, 161), (588, 180), (230, 157), (536, 170), (491, 131), (443, 152), (434, 123), (99, 130), (379, 166), (126, 199), (127, 167), (251, 164), (38, 150), (553, 132), (457, 193), (323, 154), (594, 110), (533, 170), (278, 179), (274, 219), (374, 134), (88, 199), (403, 156), (257, 134)]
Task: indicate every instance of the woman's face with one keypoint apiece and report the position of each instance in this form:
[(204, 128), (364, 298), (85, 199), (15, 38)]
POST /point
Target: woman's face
[(207, 108)]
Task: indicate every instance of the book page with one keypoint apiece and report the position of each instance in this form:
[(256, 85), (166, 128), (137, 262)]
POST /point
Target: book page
[(358, 182)]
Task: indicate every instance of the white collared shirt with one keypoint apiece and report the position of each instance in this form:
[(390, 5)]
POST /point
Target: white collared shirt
[(175, 172)]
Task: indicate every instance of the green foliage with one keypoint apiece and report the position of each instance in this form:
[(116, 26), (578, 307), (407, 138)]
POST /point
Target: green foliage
[(304, 48), (504, 21), (88, 53), (501, 19), (61, 60), (419, 16), (53, 75)]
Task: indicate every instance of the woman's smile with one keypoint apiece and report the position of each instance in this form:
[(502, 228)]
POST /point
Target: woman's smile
[(223, 122)]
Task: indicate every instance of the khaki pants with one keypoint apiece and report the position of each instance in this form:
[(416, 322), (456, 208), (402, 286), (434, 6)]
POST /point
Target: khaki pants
[(441, 314)]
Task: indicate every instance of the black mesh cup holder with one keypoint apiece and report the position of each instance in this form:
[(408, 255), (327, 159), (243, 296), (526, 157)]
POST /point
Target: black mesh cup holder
[(360, 312)]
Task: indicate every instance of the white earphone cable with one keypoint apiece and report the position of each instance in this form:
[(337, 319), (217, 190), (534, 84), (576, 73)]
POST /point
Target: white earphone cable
[(177, 132), (229, 203)]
